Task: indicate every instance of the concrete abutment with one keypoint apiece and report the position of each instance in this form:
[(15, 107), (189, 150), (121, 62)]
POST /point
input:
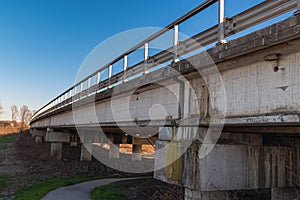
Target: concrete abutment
[(239, 161)]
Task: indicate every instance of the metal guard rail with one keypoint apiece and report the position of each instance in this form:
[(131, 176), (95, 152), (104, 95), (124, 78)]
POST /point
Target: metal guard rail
[(262, 12)]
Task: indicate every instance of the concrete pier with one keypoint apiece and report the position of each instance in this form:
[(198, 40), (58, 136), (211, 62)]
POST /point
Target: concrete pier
[(114, 147), (57, 139), (39, 139), (86, 152), (237, 162), (137, 152), (114, 152), (39, 135)]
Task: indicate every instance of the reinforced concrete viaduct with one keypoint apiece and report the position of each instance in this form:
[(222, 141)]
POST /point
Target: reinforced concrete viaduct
[(238, 102)]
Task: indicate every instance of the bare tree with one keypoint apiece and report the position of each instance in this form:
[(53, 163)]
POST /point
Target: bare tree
[(25, 116), (1, 109), (14, 113)]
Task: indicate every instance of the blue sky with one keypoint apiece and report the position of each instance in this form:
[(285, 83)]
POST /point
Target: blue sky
[(43, 43)]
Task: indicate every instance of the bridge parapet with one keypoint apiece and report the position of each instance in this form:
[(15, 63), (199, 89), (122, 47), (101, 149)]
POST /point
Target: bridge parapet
[(253, 16)]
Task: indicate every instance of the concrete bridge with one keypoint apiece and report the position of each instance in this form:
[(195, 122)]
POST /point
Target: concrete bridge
[(221, 120)]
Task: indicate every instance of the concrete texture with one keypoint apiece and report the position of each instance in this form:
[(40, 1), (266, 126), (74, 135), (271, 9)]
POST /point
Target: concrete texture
[(232, 167), (79, 191)]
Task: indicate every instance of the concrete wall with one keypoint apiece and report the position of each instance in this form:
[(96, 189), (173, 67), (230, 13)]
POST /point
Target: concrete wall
[(233, 167), (256, 88)]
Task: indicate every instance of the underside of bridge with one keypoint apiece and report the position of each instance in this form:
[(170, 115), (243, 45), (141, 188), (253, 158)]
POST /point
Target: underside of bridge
[(255, 146)]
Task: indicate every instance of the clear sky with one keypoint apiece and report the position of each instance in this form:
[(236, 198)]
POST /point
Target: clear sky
[(43, 43)]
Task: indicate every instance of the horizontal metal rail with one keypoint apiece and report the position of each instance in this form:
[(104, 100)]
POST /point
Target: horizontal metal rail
[(264, 11), (226, 26)]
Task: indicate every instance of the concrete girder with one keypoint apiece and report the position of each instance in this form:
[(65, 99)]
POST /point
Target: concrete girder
[(36, 132), (55, 136)]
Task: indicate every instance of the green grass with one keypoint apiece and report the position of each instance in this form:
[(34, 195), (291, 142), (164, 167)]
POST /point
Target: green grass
[(40, 189), (107, 192), (9, 138), (4, 181), (120, 190)]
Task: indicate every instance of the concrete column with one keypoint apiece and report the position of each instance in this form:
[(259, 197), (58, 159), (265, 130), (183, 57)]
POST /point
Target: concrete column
[(114, 148), (282, 194), (56, 150), (114, 151), (57, 139), (39, 135), (137, 152), (74, 140), (39, 139), (86, 152)]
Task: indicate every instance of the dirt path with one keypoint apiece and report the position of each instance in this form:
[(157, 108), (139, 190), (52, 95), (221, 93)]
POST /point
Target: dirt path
[(80, 191)]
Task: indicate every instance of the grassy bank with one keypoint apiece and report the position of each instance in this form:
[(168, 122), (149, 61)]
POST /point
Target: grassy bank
[(8, 138), (37, 174)]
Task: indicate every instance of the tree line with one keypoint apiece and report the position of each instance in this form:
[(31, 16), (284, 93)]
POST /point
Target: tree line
[(22, 115)]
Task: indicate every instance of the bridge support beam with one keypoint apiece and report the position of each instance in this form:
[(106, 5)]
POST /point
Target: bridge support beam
[(57, 139), (39, 139), (137, 152), (86, 152), (39, 135)]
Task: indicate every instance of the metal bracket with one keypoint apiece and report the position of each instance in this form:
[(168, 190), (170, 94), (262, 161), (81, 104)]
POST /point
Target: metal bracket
[(181, 48), (229, 25)]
